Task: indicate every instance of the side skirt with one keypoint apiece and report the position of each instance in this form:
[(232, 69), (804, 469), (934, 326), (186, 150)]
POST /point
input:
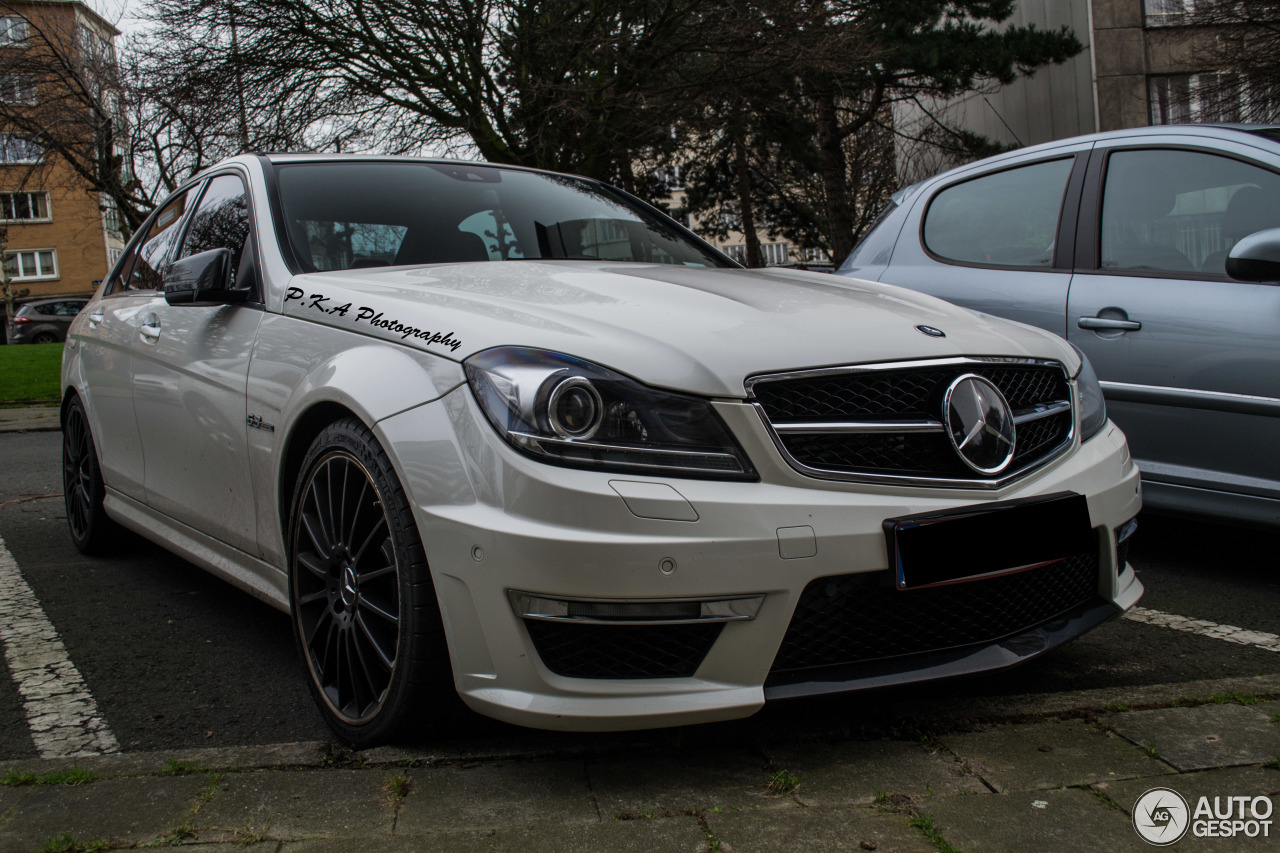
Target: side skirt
[(259, 579)]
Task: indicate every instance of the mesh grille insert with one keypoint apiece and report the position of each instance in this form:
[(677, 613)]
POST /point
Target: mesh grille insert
[(622, 651), (847, 619)]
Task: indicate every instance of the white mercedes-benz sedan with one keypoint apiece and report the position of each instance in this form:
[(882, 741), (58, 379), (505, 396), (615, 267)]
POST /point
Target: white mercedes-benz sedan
[(519, 438)]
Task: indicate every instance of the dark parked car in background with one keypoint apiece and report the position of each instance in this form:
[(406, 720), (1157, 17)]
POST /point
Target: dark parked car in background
[(45, 321), (1119, 242)]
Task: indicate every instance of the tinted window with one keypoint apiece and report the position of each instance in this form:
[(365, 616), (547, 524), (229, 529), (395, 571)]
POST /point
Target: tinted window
[(143, 269), (345, 215), (1182, 211), (1009, 218), (221, 221)]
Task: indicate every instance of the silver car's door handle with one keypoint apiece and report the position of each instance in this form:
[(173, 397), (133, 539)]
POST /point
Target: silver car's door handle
[(150, 330), (95, 318), (1108, 323)]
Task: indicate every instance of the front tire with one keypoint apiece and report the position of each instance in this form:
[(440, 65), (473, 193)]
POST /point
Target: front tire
[(364, 610), (82, 487)]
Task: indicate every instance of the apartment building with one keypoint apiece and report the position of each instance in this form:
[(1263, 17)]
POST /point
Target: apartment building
[(59, 237), (1144, 62)]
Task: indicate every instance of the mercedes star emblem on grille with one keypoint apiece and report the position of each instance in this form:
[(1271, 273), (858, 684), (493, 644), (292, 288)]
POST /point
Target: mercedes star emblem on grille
[(979, 424)]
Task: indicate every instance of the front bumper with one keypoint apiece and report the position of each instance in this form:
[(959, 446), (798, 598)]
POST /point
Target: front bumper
[(494, 522)]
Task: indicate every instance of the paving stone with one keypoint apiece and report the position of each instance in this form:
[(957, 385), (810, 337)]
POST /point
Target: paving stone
[(297, 804), (810, 829), (496, 796), (445, 842), (856, 771), (125, 811), (1205, 736), (1069, 820), (673, 782), (1052, 754), (1225, 782), (616, 836)]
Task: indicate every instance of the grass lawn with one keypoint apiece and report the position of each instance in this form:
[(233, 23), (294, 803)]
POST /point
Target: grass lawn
[(30, 372)]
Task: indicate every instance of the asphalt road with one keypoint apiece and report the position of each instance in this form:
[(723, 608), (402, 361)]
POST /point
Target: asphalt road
[(175, 658)]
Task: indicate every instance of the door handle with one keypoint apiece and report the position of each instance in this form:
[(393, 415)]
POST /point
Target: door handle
[(95, 318), (1106, 323), (150, 329)]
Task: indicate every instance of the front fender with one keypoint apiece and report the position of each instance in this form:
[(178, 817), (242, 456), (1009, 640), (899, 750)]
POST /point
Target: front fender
[(303, 376)]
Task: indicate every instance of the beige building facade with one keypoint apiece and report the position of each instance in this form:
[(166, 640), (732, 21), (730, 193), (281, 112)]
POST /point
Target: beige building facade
[(60, 238)]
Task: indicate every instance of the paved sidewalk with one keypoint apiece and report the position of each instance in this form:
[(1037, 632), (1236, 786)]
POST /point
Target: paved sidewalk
[(29, 419), (1055, 777)]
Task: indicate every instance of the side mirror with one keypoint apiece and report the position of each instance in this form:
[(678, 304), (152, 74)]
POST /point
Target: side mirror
[(1256, 257), (202, 279)]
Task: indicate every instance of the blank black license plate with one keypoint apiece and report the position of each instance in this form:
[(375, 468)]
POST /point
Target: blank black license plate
[(968, 543)]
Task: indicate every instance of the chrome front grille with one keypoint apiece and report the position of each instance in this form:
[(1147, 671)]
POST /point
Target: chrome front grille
[(886, 422)]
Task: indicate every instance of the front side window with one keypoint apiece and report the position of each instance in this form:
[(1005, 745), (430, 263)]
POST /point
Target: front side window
[(1009, 218), (1165, 210), (353, 214), (144, 270), (221, 221), (22, 207), (34, 265)]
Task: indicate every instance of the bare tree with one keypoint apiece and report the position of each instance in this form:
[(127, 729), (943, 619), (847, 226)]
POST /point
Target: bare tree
[(1240, 54)]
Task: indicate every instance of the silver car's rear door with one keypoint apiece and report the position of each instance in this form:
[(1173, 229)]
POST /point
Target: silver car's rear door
[(1189, 359), (998, 239)]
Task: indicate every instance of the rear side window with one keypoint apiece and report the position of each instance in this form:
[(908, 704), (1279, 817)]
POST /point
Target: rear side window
[(1006, 219)]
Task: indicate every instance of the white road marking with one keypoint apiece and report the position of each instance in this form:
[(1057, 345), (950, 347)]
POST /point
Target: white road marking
[(1205, 628), (62, 715)]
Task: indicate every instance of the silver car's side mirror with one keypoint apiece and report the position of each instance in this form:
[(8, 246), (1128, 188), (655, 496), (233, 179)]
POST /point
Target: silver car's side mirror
[(1256, 257), (202, 279)]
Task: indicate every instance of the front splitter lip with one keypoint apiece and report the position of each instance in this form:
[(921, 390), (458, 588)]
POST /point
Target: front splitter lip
[(932, 666)]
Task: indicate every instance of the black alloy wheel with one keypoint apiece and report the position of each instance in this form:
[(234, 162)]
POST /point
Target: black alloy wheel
[(45, 338), (82, 487), (364, 610)]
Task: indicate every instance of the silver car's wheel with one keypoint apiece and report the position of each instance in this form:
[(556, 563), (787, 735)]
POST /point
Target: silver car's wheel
[(364, 610), (82, 487)]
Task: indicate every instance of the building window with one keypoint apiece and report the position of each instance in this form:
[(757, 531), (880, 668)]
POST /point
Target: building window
[(773, 254), (1207, 97), (17, 90), (24, 207), (14, 31), (1167, 13), (15, 149), (113, 255), (110, 214), (31, 265)]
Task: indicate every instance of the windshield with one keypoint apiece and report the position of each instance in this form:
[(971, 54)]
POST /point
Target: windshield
[(349, 215)]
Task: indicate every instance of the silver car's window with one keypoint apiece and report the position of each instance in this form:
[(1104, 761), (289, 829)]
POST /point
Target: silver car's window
[(221, 221), (1181, 211), (143, 270), (1006, 219), (362, 214)]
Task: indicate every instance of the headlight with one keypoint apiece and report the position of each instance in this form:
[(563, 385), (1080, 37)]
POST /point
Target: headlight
[(1093, 408), (561, 409)]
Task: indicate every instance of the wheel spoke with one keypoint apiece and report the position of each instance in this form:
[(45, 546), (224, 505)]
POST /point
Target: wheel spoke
[(312, 598), (326, 615), (378, 610), (387, 661), (356, 643), (309, 563), (359, 504), (381, 523), (318, 541), (374, 574)]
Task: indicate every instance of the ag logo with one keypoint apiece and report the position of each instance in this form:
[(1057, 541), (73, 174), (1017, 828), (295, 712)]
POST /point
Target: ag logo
[(1161, 816)]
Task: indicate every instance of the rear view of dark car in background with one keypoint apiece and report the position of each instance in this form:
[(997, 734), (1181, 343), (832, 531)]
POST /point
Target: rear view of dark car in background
[(45, 321)]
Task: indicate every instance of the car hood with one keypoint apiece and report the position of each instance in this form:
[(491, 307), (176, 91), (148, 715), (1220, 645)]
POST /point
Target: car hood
[(697, 330)]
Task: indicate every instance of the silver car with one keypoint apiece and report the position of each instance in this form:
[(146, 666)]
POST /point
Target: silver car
[(1120, 242)]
